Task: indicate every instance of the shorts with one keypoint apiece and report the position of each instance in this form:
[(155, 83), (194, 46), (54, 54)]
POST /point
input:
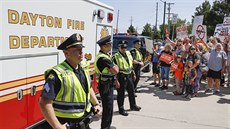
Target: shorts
[(165, 73), (214, 74), (155, 68)]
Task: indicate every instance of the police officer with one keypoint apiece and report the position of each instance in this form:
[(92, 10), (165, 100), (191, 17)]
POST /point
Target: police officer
[(67, 95), (106, 72), (125, 77), (137, 61)]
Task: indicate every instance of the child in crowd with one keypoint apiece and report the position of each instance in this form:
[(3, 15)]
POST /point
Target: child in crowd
[(190, 81), (178, 75)]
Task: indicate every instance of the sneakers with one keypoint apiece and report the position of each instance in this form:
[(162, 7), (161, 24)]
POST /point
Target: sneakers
[(153, 83), (187, 96), (176, 93), (208, 91), (157, 85), (193, 95), (163, 87), (217, 92)]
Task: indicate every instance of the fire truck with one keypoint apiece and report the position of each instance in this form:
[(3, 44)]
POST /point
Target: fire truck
[(30, 32)]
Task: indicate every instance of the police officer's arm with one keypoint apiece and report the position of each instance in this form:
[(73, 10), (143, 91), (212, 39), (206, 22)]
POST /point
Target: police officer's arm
[(116, 82), (109, 64), (133, 53), (51, 88), (48, 112), (95, 102)]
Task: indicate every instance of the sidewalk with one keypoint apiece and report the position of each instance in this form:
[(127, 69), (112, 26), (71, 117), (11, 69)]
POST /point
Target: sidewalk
[(163, 110)]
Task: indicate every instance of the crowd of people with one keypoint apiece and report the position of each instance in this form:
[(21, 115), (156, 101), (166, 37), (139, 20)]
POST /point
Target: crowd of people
[(191, 61), (68, 100)]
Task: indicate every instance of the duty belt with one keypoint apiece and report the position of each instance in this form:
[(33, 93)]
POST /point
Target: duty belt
[(125, 70), (107, 77)]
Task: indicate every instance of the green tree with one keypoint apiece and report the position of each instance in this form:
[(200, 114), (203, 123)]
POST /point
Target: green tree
[(131, 30), (147, 30)]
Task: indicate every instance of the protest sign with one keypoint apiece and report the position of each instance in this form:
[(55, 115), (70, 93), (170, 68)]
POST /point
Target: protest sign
[(181, 32), (201, 32), (226, 20), (198, 20), (166, 58), (174, 66)]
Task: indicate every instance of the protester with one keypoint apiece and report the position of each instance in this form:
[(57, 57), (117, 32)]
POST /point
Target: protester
[(195, 58), (165, 67), (155, 64), (178, 75), (216, 65), (190, 75)]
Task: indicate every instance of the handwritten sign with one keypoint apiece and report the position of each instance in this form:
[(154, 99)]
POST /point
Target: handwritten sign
[(166, 58), (174, 66)]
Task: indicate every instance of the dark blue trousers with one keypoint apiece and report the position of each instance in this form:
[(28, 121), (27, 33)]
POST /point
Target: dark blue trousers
[(107, 105)]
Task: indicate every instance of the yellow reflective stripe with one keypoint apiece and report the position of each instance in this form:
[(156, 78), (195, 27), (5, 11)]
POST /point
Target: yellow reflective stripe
[(72, 90)]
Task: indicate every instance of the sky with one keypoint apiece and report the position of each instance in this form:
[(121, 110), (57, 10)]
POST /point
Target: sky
[(144, 11)]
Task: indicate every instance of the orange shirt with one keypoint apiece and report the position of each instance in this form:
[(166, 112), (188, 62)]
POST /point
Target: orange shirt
[(179, 71)]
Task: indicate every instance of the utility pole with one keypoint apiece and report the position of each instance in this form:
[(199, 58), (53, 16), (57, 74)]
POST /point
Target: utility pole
[(156, 17), (169, 8), (163, 34), (117, 22)]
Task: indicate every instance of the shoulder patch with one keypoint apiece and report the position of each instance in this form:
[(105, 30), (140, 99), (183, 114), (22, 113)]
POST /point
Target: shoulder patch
[(47, 88), (51, 76)]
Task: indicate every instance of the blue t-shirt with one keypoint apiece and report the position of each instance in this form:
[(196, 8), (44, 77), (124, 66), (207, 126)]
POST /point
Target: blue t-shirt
[(156, 58)]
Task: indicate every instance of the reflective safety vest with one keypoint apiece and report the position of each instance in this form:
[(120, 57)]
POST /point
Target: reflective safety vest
[(138, 54), (71, 101), (105, 74), (124, 66)]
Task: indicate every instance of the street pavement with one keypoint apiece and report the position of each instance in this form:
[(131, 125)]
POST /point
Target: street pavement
[(163, 110)]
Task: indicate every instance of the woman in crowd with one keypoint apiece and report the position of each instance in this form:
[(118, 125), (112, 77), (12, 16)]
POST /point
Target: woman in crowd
[(165, 67), (195, 58), (216, 65)]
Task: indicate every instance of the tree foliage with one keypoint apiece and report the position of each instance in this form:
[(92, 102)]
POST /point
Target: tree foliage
[(147, 30), (131, 30), (213, 15)]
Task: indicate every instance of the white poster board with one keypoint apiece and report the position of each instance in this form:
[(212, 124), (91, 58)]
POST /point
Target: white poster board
[(201, 32), (149, 45), (174, 19), (181, 32), (226, 20), (198, 20)]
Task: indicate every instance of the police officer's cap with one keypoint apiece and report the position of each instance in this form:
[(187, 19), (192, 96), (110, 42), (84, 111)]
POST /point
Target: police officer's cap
[(75, 40), (137, 41), (122, 44), (104, 40)]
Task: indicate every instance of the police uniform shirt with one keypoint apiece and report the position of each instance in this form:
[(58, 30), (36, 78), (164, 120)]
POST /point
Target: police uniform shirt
[(104, 62), (133, 53), (124, 55), (53, 84)]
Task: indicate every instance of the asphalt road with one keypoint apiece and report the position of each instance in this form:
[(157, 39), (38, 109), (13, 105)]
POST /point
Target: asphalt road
[(163, 110)]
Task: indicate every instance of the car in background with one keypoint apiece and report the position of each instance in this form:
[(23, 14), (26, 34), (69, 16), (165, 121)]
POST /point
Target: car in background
[(130, 39)]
